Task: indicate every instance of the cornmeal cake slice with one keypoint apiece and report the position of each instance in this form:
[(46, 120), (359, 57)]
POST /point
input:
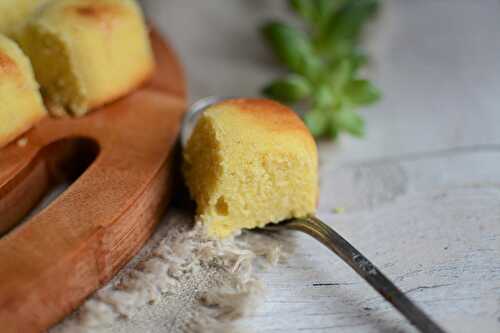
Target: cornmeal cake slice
[(21, 105), (86, 53), (249, 162), (14, 12)]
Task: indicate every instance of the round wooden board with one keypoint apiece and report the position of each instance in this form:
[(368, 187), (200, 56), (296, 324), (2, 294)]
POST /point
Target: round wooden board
[(52, 262)]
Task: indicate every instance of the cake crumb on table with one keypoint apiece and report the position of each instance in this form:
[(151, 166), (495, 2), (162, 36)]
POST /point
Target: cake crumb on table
[(338, 210), (22, 142)]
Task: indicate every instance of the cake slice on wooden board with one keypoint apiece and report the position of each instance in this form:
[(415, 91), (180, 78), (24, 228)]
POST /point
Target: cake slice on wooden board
[(250, 162), (87, 53), (21, 105)]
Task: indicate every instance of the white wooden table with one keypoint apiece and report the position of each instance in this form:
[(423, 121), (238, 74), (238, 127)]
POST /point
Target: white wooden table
[(421, 192)]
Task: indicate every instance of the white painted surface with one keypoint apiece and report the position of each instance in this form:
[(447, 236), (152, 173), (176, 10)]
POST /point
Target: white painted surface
[(427, 213)]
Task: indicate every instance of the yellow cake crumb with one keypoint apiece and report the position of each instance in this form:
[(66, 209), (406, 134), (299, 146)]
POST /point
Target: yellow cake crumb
[(22, 142), (338, 210), (250, 162)]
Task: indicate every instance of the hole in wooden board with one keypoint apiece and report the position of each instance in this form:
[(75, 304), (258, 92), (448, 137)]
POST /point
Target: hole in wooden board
[(54, 169)]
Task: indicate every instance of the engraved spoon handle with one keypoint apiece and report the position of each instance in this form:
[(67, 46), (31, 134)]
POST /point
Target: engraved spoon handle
[(331, 239)]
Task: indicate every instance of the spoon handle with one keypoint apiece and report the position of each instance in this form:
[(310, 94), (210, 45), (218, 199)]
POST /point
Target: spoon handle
[(331, 239)]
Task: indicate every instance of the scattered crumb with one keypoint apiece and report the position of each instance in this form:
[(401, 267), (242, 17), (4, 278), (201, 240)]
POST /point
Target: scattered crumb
[(54, 109), (22, 142), (338, 210)]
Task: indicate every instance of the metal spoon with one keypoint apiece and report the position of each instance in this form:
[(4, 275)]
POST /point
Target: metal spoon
[(320, 231)]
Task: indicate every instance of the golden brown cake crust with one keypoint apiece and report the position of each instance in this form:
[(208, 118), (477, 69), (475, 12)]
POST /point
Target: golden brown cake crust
[(269, 113), (272, 115), (7, 65), (12, 72), (96, 10), (104, 14)]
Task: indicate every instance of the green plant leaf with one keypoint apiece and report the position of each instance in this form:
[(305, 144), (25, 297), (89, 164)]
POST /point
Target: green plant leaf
[(323, 97), (324, 63), (332, 131), (325, 9), (290, 89), (317, 122), (348, 120), (349, 20), (358, 59), (305, 8), (362, 92), (340, 74), (316, 12), (344, 27), (291, 47)]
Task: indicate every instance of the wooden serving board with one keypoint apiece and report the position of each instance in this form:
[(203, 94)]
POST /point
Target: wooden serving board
[(52, 262)]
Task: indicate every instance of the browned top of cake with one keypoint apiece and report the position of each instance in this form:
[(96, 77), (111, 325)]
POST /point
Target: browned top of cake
[(98, 11), (7, 65), (272, 115)]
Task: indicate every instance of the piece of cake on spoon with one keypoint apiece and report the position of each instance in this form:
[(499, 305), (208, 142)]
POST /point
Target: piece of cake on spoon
[(250, 162)]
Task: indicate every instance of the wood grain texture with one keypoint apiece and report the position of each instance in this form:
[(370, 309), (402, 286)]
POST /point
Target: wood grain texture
[(62, 254)]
